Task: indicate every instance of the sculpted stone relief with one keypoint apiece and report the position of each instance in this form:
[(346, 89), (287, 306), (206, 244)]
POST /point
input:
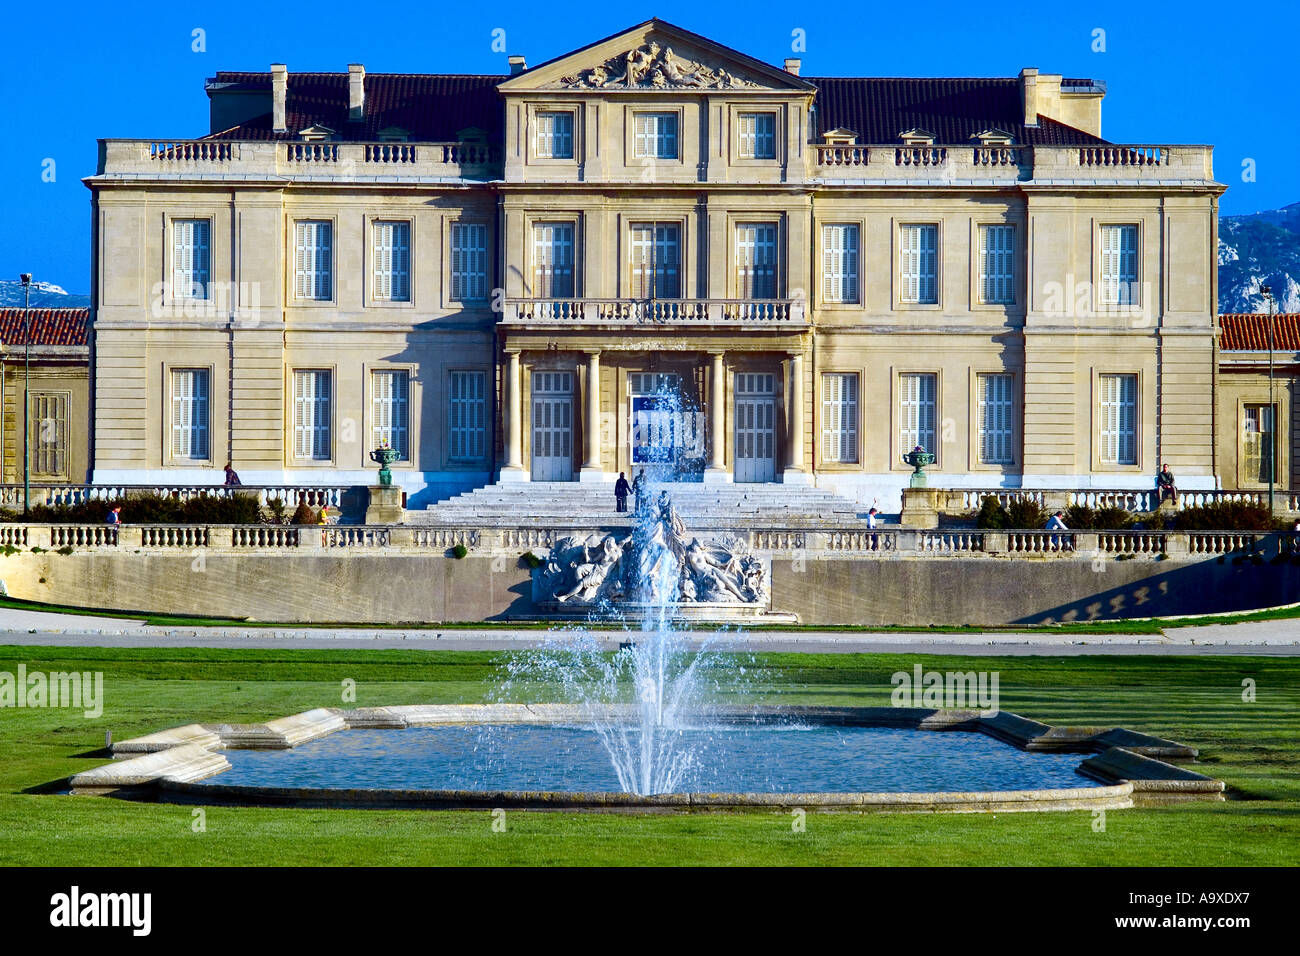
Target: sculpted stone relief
[(658, 561), (654, 67)]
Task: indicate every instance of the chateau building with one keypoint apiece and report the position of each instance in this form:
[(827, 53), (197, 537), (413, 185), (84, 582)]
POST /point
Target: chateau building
[(654, 250), (45, 355)]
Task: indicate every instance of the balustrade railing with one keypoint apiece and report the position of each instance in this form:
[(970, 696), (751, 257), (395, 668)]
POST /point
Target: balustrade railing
[(884, 541), (655, 311)]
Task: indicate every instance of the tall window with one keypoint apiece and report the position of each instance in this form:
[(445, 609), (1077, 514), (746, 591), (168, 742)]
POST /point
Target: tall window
[(469, 261), (555, 135), (1257, 443), (656, 261), (392, 258), (49, 424), (995, 409), (655, 135), (840, 262), (190, 413), (1119, 265), (191, 258), (467, 414), (390, 415), (757, 135), (311, 414), (916, 411), (1118, 413), (553, 260), (756, 260), (997, 264), (918, 263), (313, 262), (840, 417)]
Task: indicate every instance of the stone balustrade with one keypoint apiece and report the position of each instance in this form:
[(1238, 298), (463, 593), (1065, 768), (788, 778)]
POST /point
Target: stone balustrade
[(260, 160), (1109, 163), (317, 496), (969, 499), (594, 311), (883, 542)]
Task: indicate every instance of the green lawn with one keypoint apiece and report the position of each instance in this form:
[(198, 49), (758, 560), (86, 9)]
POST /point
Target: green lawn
[(1252, 746)]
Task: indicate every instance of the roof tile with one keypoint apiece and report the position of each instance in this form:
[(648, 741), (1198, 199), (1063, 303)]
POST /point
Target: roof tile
[(49, 326)]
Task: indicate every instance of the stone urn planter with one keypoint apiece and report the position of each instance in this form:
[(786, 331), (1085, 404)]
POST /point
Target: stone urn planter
[(918, 458), (384, 457)]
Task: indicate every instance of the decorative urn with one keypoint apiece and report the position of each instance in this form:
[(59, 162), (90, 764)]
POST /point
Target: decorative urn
[(918, 458), (384, 456)]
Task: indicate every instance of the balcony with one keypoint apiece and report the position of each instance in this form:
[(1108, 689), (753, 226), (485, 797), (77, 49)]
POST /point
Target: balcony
[(307, 161), (939, 165), (763, 313)]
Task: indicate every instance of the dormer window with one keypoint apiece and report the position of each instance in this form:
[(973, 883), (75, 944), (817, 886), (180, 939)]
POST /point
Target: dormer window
[(993, 137), (917, 137), (840, 137), (316, 134), (394, 134)]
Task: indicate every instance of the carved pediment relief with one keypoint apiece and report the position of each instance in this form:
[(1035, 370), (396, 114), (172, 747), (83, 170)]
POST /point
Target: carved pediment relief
[(654, 67)]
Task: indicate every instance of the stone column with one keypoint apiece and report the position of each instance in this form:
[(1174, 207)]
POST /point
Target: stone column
[(717, 472), (592, 471), (514, 466), (794, 470)]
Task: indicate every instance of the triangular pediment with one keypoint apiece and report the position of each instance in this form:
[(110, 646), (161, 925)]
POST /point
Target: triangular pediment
[(656, 57)]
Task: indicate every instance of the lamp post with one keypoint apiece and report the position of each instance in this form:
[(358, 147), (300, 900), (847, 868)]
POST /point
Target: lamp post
[(26, 278), (1267, 293)]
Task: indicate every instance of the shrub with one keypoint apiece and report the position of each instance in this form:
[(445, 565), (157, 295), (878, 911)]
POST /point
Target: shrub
[(1083, 518), (532, 560), (992, 516), (303, 514), (459, 551), (276, 507), (1226, 516), (1025, 513)]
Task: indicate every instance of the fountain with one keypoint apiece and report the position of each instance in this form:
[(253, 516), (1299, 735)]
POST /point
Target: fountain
[(659, 716)]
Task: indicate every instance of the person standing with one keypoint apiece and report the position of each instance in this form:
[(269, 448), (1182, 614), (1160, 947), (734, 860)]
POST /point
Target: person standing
[(232, 479), (621, 490), (114, 517), (641, 489)]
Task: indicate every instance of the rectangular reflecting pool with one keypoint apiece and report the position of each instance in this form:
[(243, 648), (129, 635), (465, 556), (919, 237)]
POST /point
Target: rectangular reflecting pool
[(749, 758)]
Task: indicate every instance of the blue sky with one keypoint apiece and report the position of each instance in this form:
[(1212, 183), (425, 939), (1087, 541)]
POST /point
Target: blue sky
[(1217, 74)]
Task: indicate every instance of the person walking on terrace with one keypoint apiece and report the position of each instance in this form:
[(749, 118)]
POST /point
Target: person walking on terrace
[(1057, 523), (621, 491), (1165, 485)]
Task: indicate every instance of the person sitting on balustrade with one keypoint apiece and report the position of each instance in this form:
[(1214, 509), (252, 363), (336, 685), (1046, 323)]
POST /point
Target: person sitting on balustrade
[(1165, 485)]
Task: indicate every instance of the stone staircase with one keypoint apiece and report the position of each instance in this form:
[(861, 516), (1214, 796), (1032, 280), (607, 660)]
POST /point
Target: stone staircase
[(570, 504)]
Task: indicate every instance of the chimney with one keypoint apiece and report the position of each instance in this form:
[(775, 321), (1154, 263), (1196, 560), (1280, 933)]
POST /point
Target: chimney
[(1029, 94), (517, 65), (356, 92), (279, 93), (792, 65)]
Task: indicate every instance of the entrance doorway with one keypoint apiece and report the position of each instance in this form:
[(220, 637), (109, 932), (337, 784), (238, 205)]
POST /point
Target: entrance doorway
[(552, 426), (755, 458), (666, 428)]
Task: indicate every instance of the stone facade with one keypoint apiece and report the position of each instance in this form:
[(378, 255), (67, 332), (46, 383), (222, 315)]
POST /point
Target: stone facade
[(811, 276)]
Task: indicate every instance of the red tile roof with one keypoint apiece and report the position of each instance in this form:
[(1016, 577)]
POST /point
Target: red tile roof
[(1248, 332), (49, 327), (434, 107), (955, 110)]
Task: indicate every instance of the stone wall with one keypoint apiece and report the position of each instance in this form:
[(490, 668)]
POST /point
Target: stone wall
[(869, 591)]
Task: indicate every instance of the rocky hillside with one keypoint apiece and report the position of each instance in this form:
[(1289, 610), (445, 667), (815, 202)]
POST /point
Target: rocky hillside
[(1262, 248)]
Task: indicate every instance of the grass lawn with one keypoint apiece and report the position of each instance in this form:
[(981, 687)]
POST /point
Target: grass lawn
[(1197, 700)]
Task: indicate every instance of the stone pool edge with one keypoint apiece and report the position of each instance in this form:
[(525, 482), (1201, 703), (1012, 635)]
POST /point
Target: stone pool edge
[(1133, 768)]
